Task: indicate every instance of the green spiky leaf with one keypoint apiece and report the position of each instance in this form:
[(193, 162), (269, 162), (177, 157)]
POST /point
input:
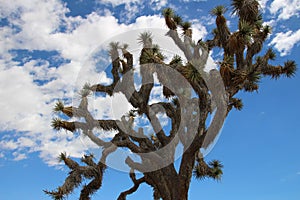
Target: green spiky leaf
[(155, 48), (200, 171), (271, 54), (84, 92), (216, 173), (59, 106), (176, 60), (62, 156), (246, 9), (245, 28), (145, 38), (114, 45), (250, 87), (254, 77), (56, 124), (218, 10), (86, 86), (113, 49), (168, 12), (177, 19), (258, 21), (267, 30), (132, 113), (237, 103), (215, 170), (215, 164), (186, 25), (191, 73), (290, 68)]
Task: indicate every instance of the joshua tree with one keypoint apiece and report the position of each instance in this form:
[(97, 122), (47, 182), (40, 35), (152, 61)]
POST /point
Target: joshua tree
[(191, 94)]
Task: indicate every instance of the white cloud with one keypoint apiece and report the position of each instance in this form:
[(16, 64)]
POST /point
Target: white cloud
[(8, 145), (155, 4), (117, 2), (284, 42), (27, 106), (263, 4), (26, 142), (199, 31), (21, 101), (19, 156), (158, 4), (271, 23), (36, 18), (131, 9), (66, 142), (285, 8)]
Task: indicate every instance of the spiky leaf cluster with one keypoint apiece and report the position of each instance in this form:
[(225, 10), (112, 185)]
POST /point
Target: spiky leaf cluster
[(236, 103), (212, 170), (176, 61), (77, 175), (218, 10), (190, 73)]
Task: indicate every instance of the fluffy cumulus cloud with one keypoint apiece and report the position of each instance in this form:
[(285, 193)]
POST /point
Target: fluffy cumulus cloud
[(31, 85), (280, 11), (284, 42), (20, 98), (285, 8)]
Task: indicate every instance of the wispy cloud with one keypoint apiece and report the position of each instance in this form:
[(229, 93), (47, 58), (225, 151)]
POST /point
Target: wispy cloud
[(117, 2), (132, 8), (263, 4), (284, 42), (158, 4), (285, 8), (2, 155), (19, 156)]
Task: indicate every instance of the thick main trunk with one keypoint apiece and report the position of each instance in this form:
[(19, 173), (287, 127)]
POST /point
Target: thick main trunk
[(180, 193), (178, 190), (169, 184)]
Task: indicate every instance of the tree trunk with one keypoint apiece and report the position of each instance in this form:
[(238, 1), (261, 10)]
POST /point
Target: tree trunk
[(178, 190), (168, 183), (180, 193)]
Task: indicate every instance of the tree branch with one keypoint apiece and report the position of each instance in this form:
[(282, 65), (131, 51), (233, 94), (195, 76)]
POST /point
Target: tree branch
[(187, 52), (134, 188)]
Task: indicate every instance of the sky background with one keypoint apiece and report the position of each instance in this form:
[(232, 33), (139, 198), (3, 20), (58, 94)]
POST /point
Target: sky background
[(45, 48)]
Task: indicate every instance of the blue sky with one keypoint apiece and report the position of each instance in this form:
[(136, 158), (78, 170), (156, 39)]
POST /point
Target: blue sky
[(44, 46)]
